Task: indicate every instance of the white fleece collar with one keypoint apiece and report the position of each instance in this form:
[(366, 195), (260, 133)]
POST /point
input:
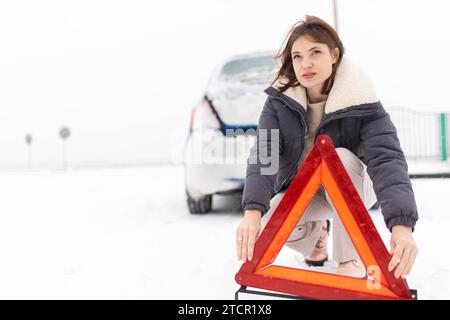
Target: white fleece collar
[(351, 87)]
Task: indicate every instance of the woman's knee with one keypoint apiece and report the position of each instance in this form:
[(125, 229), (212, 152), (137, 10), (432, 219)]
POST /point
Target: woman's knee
[(349, 160), (344, 152)]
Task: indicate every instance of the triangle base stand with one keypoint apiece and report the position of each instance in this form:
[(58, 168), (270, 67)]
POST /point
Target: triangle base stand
[(243, 290)]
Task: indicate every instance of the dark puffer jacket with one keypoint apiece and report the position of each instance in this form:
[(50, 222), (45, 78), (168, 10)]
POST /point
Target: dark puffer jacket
[(354, 119)]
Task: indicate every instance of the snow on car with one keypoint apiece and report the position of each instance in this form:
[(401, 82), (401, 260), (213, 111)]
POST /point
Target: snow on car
[(223, 128)]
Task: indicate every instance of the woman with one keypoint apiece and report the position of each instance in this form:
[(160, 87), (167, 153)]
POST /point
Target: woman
[(317, 91)]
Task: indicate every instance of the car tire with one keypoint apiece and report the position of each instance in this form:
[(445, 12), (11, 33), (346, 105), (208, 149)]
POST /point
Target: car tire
[(202, 205)]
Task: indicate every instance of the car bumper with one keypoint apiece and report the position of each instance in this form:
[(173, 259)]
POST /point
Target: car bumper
[(215, 163)]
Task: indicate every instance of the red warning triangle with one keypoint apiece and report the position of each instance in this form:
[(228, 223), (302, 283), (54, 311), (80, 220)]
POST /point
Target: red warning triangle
[(323, 166)]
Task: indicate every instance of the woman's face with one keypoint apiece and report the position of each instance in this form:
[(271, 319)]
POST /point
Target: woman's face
[(312, 62)]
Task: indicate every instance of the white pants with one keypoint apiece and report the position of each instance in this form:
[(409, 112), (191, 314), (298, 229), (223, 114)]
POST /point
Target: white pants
[(307, 231)]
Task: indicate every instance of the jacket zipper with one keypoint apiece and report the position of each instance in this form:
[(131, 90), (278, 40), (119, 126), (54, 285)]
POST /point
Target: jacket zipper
[(302, 147)]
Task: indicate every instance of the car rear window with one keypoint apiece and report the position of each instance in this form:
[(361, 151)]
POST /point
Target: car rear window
[(254, 65)]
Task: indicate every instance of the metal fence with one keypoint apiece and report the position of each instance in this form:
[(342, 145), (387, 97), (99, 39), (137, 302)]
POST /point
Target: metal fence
[(423, 135)]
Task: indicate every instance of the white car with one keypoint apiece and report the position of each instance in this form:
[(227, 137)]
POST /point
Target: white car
[(223, 128)]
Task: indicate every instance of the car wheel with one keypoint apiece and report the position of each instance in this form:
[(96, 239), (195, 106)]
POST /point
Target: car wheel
[(202, 205)]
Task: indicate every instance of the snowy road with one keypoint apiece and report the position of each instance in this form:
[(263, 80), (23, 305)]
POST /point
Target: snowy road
[(127, 234)]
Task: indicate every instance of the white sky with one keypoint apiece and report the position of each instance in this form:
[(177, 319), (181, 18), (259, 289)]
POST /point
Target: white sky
[(123, 75)]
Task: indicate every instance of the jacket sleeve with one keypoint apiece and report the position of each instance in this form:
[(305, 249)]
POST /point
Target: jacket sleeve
[(387, 167), (259, 185)]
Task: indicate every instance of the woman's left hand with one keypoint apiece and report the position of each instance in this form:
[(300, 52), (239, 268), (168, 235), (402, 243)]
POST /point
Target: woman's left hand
[(403, 250)]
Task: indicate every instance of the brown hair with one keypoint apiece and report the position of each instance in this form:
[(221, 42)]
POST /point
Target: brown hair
[(317, 30)]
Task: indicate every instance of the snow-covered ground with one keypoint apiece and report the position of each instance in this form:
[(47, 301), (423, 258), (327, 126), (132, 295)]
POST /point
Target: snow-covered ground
[(127, 234)]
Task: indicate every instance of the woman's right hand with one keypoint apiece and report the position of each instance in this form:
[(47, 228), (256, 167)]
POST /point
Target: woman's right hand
[(247, 233)]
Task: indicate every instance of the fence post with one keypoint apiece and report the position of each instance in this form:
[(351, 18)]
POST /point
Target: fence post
[(444, 136)]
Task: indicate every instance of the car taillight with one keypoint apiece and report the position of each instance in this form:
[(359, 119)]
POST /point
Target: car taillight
[(203, 117), (191, 125)]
